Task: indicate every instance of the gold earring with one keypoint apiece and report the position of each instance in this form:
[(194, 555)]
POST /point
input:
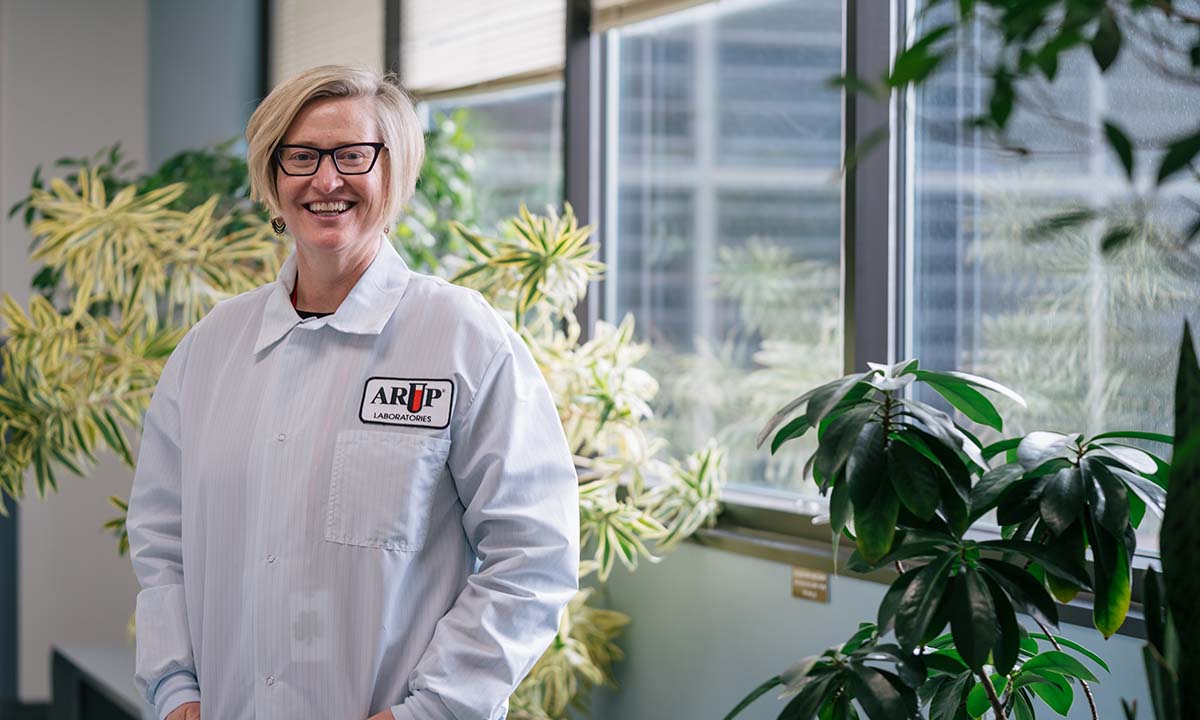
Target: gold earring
[(278, 225), (387, 229)]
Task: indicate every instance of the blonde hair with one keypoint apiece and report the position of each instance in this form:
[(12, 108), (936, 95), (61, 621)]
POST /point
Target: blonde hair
[(394, 113)]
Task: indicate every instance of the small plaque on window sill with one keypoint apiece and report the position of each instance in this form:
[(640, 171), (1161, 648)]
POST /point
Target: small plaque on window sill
[(810, 584)]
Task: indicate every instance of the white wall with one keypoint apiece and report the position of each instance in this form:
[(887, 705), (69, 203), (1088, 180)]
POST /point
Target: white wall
[(73, 78)]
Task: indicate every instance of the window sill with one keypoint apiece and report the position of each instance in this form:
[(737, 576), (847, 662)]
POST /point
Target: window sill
[(767, 528)]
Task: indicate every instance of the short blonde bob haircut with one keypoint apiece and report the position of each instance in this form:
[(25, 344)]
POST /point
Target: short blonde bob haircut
[(394, 112)]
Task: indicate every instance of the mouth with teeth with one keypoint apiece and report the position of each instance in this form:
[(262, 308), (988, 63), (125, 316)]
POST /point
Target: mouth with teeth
[(329, 209)]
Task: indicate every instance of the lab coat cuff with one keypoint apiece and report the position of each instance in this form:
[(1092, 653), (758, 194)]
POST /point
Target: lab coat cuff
[(422, 705), (174, 690)]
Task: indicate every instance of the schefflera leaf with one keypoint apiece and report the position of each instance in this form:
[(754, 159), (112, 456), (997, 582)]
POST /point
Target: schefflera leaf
[(973, 618), (876, 505), (915, 478)]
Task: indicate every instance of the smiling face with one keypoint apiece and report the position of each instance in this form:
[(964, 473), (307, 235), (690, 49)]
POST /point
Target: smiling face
[(328, 123)]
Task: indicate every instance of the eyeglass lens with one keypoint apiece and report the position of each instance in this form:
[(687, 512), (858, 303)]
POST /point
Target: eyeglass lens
[(348, 160)]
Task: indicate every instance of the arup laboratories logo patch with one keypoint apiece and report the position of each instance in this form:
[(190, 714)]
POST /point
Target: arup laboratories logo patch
[(404, 401)]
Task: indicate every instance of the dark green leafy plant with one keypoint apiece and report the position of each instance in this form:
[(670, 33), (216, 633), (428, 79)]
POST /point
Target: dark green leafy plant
[(888, 682), (907, 484), (1169, 600)]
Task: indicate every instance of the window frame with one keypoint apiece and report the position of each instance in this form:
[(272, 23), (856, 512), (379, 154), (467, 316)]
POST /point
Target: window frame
[(870, 246), (873, 232)]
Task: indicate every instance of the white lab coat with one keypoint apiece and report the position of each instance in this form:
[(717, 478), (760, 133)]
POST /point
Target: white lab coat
[(339, 515)]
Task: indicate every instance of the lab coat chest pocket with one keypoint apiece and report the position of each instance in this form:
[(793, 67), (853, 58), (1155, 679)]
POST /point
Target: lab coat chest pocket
[(381, 488)]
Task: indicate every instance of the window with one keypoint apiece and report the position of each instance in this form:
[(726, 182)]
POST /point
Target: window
[(1088, 340), (308, 33), (517, 148), (722, 210)]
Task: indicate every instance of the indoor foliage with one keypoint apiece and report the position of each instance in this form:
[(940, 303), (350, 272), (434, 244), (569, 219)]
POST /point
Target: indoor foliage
[(1172, 651), (535, 273), (130, 264), (910, 488), (1027, 43)]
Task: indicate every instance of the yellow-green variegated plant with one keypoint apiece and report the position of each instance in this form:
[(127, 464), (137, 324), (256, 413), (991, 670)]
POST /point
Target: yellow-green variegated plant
[(632, 504), (77, 368)]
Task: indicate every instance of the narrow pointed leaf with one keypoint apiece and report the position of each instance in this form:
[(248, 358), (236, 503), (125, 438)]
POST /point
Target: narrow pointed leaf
[(1113, 593), (1180, 153), (876, 694), (1180, 535), (969, 402), (1008, 645), (951, 697), (1038, 447), (1106, 43), (1154, 496), (1055, 692), (867, 471), (919, 603), (972, 618), (1061, 499), (790, 408), (796, 427), (1053, 559), (890, 604), (1026, 593), (875, 523), (1121, 145), (976, 380), (1106, 496), (992, 487), (1061, 663), (1066, 642), (914, 479), (1133, 458)]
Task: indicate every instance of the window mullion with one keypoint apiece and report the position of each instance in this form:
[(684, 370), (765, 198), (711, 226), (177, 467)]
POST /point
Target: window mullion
[(869, 247), (580, 152)]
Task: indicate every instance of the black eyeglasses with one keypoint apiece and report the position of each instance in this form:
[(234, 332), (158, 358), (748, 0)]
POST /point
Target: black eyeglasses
[(353, 159)]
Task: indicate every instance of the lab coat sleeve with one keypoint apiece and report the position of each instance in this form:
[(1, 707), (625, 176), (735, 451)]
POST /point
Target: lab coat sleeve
[(516, 478), (165, 671)]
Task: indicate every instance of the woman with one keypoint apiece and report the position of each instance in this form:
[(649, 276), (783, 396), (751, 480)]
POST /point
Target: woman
[(353, 496)]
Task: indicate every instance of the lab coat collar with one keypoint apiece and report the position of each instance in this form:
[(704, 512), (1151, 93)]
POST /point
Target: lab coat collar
[(365, 310)]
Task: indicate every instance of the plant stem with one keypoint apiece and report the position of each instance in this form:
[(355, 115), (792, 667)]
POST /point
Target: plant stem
[(1087, 691), (991, 693)]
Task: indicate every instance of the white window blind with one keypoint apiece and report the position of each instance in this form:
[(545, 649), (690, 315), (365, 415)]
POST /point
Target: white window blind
[(454, 44), (307, 33), (608, 14)]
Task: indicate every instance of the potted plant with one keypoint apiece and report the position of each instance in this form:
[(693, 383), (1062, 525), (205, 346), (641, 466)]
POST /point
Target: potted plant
[(910, 487)]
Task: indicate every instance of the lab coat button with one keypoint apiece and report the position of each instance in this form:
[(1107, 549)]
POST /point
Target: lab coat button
[(270, 680), (281, 437), (271, 558)]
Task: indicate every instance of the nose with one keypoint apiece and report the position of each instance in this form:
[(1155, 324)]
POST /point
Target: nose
[(327, 178)]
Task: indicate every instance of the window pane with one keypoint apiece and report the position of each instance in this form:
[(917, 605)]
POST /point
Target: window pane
[(724, 218), (517, 151), (1090, 341)]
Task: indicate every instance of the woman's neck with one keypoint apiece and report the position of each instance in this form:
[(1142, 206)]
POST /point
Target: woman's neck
[(324, 279)]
